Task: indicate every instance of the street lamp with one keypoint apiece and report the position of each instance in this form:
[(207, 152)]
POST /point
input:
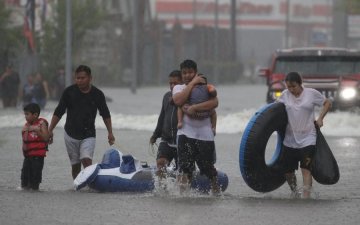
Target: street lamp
[(287, 24), (134, 47), (68, 70), (216, 40)]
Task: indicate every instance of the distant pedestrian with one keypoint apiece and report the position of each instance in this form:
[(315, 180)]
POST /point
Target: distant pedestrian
[(41, 90), (26, 94), (58, 83), (10, 82)]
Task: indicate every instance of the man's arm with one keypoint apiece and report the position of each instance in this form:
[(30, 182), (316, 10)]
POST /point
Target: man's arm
[(108, 124), (54, 121), (159, 125), (212, 103)]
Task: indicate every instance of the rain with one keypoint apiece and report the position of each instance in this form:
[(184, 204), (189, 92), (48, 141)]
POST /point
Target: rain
[(131, 47)]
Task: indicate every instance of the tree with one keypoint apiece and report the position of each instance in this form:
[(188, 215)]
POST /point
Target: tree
[(11, 38), (85, 16), (353, 6)]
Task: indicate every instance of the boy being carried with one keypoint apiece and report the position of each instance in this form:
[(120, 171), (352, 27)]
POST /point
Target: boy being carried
[(200, 93)]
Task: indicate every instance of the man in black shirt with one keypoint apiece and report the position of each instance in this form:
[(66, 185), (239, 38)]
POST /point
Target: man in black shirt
[(81, 102), (166, 128)]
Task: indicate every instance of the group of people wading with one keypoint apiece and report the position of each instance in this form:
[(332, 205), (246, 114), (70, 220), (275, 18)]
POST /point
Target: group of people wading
[(186, 126)]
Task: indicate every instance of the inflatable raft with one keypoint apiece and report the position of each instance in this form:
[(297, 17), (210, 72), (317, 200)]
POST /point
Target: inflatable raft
[(123, 173)]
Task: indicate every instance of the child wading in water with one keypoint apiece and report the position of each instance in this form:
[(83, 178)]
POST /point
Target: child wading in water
[(35, 137)]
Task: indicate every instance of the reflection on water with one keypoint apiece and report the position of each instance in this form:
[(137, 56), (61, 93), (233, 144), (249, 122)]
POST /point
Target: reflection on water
[(348, 142)]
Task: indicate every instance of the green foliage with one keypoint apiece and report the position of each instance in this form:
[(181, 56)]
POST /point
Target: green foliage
[(85, 16), (352, 6), (4, 16), (11, 38)]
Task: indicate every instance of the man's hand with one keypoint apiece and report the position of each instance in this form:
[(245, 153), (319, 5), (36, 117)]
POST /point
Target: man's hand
[(111, 139), (152, 140), (51, 137), (188, 109), (198, 79)]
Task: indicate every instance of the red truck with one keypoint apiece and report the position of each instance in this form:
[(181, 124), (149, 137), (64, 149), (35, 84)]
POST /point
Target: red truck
[(335, 72)]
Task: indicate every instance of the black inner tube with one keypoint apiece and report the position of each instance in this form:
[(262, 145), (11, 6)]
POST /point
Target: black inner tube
[(257, 174)]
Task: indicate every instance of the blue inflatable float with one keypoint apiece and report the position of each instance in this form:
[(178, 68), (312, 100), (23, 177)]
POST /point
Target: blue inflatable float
[(259, 175), (123, 173)]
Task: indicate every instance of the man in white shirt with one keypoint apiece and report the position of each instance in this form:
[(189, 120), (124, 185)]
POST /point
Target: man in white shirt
[(195, 138)]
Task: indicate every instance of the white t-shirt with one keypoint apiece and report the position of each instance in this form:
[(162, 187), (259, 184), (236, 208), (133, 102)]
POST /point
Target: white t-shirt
[(300, 130), (194, 128)]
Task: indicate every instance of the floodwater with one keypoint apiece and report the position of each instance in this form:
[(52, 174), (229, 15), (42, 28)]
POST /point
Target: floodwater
[(134, 118)]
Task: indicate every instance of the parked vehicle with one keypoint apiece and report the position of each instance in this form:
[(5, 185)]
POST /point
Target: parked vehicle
[(335, 72)]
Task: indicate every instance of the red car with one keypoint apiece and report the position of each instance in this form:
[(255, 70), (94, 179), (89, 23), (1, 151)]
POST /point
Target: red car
[(335, 72)]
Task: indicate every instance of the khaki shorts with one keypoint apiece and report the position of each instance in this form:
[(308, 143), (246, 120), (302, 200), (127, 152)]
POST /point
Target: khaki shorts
[(79, 149)]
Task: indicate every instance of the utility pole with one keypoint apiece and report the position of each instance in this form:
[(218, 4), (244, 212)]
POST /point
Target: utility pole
[(340, 24), (287, 23), (194, 3), (134, 47), (68, 69), (216, 40), (233, 30)]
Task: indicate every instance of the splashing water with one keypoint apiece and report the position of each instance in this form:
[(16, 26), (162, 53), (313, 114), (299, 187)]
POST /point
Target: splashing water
[(335, 124)]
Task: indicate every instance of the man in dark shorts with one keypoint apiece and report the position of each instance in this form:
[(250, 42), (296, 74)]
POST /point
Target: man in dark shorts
[(195, 137), (81, 102), (166, 128)]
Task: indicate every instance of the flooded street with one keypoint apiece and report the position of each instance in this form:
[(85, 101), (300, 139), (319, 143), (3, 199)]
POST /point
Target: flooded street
[(58, 203)]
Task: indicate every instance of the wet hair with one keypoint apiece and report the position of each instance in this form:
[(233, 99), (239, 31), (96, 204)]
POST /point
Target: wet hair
[(83, 68), (32, 108), (294, 77), (176, 74), (189, 64)]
